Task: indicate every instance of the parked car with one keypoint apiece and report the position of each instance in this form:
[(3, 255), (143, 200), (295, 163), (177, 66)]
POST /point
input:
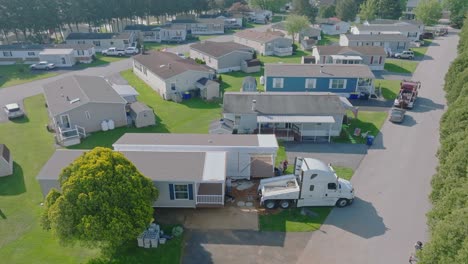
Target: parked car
[(442, 31), (42, 65), (131, 50), (407, 54), (13, 111), (418, 43), (113, 52), (397, 115), (181, 55), (426, 35)]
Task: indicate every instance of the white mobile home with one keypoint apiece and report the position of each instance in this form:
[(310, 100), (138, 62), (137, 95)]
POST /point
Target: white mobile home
[(102, 41)]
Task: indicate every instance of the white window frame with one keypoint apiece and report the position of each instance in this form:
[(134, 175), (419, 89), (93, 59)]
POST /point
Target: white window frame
[(281, 83), (80, 52), (308, 81), (88, 115), (331, 84), (176, 192), (7, 54)]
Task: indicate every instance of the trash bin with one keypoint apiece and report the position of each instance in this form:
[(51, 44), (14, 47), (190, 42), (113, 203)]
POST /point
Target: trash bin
[(370, 140), (186, 95), (353, 96), (364, 96)]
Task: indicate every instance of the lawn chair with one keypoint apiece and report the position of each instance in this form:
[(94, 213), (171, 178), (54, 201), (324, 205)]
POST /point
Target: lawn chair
[(364, 135)]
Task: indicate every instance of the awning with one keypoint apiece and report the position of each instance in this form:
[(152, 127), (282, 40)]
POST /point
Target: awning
[(295, 119), (125, 90), (345, 57)]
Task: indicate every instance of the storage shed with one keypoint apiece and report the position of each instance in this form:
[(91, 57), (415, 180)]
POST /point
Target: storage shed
[(209, 89), (142, 115), (249, 66), (60, 57), (6, 161), (248, 156)]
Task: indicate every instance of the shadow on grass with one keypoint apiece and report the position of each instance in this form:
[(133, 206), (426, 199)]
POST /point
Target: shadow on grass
[(13, 184), (391, 67), (200, 104), (16, 74), (369, 122), (21, 120)]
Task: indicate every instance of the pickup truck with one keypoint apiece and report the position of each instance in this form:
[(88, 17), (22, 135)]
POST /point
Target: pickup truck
[(113, 52)]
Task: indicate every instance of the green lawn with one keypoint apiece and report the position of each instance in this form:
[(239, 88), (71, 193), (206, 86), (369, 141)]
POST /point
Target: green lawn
[(328, 39), (295, 58), (232, 81), (22, 240), (421, 51), (100, 61), (276, 19), (390, 88), (20, 73), (191, 116), (366, 121), (291, 220), (400, 65), (158, 46)]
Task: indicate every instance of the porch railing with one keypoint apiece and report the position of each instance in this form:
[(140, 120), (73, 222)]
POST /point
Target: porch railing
[(210, 199)]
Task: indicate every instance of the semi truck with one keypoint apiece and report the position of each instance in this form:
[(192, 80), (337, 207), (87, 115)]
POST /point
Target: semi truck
[(408, 94), (313, 183)]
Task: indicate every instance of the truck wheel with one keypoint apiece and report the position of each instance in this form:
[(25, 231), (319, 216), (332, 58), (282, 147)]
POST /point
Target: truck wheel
[(270, 204), (284, 204), (342, 203)]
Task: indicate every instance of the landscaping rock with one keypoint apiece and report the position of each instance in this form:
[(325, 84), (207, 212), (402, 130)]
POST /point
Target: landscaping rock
[(249, 204), (240, 203), (308, 212), (244, 185)]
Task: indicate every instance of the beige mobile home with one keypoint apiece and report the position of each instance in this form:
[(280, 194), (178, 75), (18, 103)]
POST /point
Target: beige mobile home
[(6, 161), (265, 43)]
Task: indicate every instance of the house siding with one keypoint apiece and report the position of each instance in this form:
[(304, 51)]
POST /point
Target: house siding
[(320, 130), (209, 60), (70, 59), (366, 60), (247, 122), (388, 45), (339, 28), (164, 198), (233, 61), (297, 84), (158, 84), (98, 113), (18, 55), (104, 43)]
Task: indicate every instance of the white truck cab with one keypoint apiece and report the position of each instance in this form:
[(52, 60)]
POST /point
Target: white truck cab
[(313, 183)]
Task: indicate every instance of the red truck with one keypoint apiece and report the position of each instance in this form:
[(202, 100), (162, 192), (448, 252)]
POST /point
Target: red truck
[(408, 94)]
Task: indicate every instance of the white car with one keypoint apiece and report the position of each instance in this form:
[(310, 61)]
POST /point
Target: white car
[(131, 50), (42, 65), (407, 54), (13, 111)]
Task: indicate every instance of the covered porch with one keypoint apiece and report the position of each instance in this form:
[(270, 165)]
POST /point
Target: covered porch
[(296, 128), (209, 194), (69, 136), (345, 59), (365, 85)]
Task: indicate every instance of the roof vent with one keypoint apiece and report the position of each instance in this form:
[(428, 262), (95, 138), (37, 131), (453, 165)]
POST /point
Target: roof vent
[(160, 66), (210, 141), (76, 100), (254, 103), (68, 98)]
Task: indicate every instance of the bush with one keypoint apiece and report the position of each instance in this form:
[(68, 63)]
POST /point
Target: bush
[(199, 61)]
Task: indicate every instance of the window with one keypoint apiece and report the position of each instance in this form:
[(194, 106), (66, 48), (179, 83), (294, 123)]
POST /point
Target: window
[(371, 59), (173, 86), (237, 120), (125, 41), (7, 54), (181, 191), (412, 35), (81, 42), (88, 116), (332, 186), (80, 52), (337, 84), (310, 83), (311, 188), (313, 176), (380, 60), (97, 43), (65, 120), (31, 53), (359, 43), (278, 82), (112, 42)]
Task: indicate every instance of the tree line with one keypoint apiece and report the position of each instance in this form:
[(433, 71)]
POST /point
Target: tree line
[(448, 219)]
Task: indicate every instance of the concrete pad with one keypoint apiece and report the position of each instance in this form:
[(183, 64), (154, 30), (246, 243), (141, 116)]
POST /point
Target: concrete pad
[(226, 218), (244, 185), (240, 203)]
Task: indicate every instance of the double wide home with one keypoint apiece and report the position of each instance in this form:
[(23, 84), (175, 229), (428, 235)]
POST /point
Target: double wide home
[(374, 57), (410, 31), (333, 26), (201, 26), (390, 42), (166, 33), (169, 74), (290, 116), (102, 41), (265, 43), (221, 56), (78, 105), (336, 78)]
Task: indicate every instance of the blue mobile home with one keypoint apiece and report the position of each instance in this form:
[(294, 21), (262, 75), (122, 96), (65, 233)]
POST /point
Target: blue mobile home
[(343, 79)]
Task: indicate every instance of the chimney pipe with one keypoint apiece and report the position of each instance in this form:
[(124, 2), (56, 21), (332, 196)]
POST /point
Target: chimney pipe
[(254, 102), (68, 98)]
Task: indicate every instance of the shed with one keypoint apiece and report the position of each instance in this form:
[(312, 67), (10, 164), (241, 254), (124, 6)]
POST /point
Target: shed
[(249, 84), (127, 92), (249, 66), (6, 161), (142, 115), (247, 155), (60, 57), (209, 89)]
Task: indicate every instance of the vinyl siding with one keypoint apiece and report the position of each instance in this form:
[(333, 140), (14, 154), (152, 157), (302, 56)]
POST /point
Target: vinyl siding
[(164, 198), (297, 84), (233, 60)]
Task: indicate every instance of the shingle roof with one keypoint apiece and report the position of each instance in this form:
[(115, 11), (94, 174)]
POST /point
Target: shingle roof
[(360, 50), (394, 21), (377, 37), (166, 64), (61, 94), (309, 31), (283, 103), (138, 107), (253, 62), (389, 28), (5, 152), (71, 46), (257, 36), (81, 35), (22, 47), (38, 47), (318, 70), (219, 49)]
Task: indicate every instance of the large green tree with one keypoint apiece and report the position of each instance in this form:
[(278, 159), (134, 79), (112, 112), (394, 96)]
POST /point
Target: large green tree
[(428, 11), (104, 201), (368, 10), (295, 24), (272, 5), (458, 10), (346, 10), (326, 11), (304, 8), (390, 9)]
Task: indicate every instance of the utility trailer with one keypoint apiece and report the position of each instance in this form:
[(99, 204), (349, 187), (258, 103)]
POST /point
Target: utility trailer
[(408, 94), (313, 183)]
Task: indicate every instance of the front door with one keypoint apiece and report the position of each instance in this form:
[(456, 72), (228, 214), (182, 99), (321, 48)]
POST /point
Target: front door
[(331, 194), (312, 195), (65, 120)]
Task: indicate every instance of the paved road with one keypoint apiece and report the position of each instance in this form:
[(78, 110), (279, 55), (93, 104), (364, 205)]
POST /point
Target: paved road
[(392, 183)]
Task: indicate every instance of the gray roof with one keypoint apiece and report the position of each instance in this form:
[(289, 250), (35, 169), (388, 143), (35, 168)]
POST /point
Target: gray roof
[(318, 70), (38, 47), (60, 94), (219, 49), (377, 37), (389, 28), (159, 166), (187, 139), (249, 84), (71, 46), (22, 47), (257, 36), (138, 107), (309, 31), (412, 3), (166, 64), (224, 124), (5, 152), (283, 103), (359, 50), (394, 21), (81, 35), (329, 21)]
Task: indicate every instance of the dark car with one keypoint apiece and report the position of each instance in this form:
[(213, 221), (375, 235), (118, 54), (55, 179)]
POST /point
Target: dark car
[(426, 35)]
